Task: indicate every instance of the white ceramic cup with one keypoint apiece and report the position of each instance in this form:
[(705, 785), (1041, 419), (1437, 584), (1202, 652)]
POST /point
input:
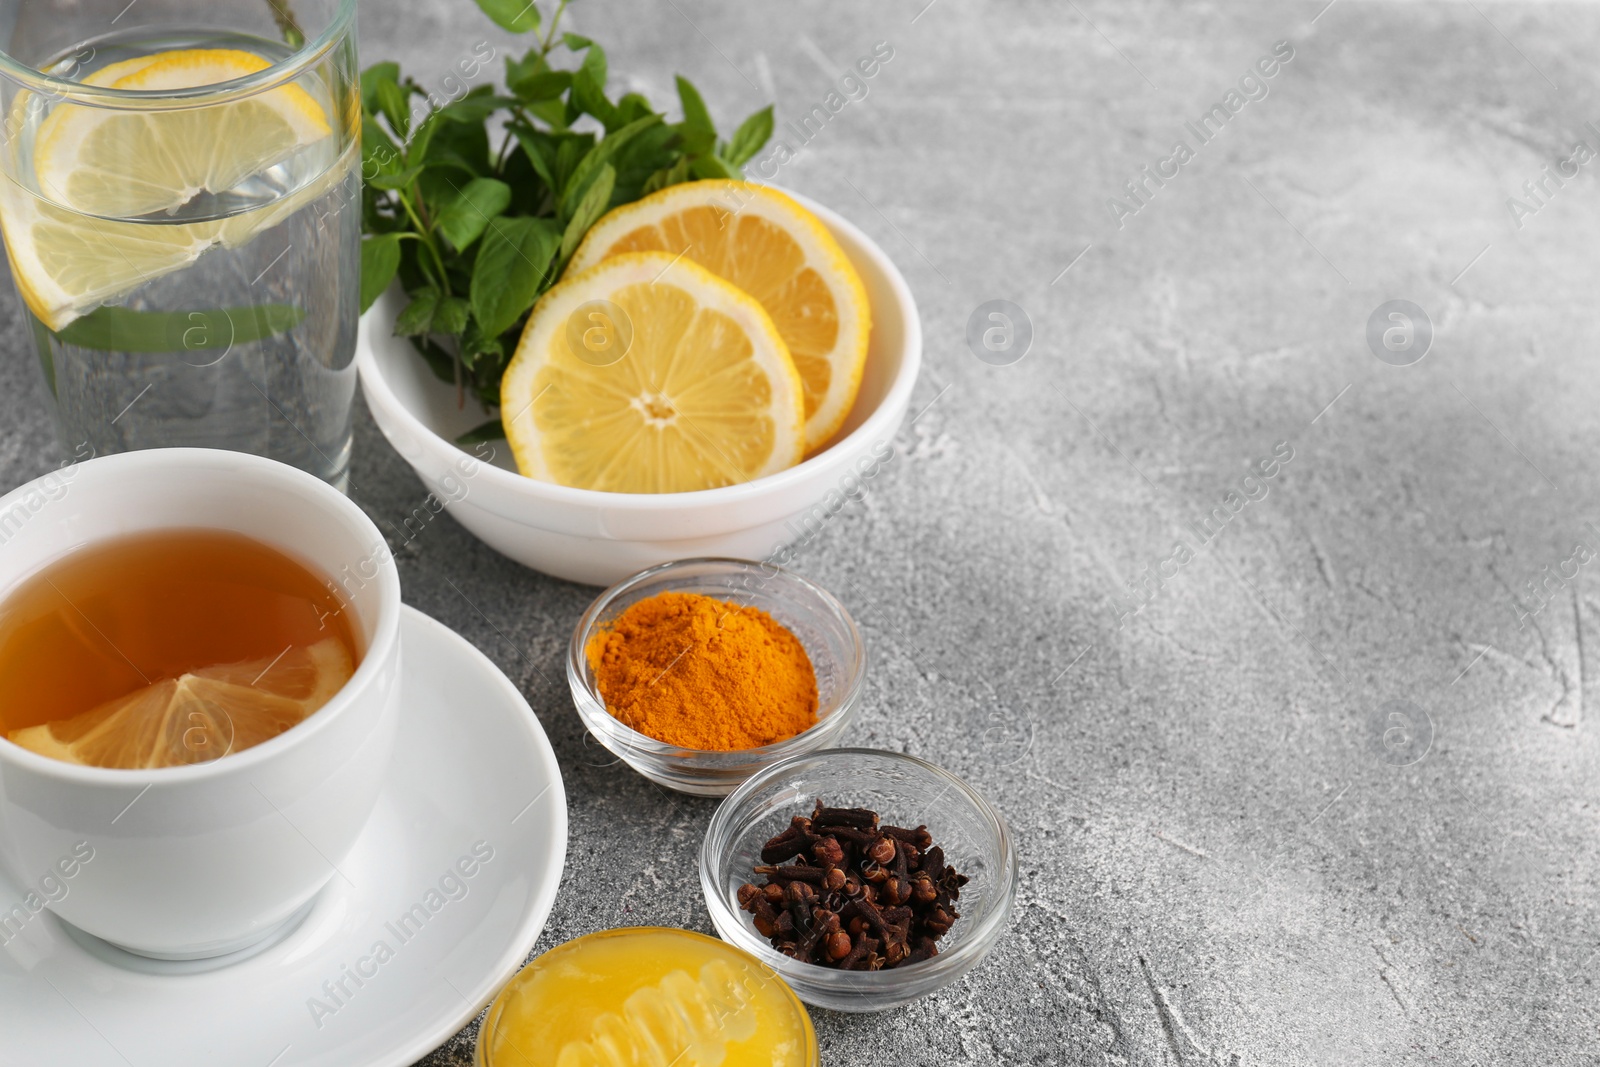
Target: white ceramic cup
[(202, 860)]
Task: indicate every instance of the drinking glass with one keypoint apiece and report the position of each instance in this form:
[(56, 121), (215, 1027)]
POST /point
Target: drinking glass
[(181, 205)]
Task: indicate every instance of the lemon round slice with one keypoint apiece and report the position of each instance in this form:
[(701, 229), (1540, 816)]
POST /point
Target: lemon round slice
[(90, 162), (778, 252), (200, 716), (649, 374), (123, 164)]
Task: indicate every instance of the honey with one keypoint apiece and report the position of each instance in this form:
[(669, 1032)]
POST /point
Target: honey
[(646, 997)]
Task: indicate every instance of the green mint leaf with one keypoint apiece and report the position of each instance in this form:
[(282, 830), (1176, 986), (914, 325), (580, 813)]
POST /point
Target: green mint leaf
[(475, 108), (594, 62), (518, 16), (577, 187), (529, 194), (489, 431), (512, 269), (678, 172), (633, 107), (546, 85), (125, 330), (380, 259), (417, 318), (552, 113), (461, 215), (460, 146), (451, 315), (422, 137), (695, 115), (397, 180), (476, 346), (696, 131), (711, 167), (589, 210), (654, 149), (532, 79), (575, 41), (570, 150), (589, 88), (394, 103), (379, 153), (372, 77), (442, 363), (753, 133), (540, 151)]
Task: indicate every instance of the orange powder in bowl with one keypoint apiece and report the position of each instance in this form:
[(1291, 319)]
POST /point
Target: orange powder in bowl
[(701, 673)]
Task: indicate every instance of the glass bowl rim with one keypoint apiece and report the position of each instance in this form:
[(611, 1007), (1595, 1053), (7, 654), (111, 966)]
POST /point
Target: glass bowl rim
[(967, 953), (596, 717), (284, 70)]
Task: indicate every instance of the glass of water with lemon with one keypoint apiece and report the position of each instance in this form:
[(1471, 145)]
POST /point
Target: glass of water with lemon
[(181, 203)]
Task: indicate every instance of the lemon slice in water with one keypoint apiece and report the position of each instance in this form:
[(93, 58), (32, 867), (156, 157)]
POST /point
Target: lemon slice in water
[(125, 164)]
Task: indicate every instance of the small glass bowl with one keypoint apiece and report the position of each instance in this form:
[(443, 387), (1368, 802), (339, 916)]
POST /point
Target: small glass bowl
[(811, 613), (904, 791)]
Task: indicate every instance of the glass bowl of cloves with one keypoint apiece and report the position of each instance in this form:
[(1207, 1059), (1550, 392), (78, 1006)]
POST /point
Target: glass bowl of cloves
[(867, 879)]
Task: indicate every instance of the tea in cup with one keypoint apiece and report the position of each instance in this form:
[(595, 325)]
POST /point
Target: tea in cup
[(199, 669)]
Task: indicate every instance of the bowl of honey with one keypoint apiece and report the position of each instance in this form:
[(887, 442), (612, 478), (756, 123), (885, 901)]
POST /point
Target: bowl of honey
[(647, 994)]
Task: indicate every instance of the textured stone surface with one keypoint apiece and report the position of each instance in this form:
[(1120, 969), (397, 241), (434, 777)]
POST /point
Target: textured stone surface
[(1219, 864)]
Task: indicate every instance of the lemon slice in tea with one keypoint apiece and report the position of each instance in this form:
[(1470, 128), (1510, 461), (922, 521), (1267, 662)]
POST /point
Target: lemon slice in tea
[(200, 716)]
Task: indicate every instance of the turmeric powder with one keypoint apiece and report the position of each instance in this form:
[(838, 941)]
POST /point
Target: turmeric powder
[(701, 673)]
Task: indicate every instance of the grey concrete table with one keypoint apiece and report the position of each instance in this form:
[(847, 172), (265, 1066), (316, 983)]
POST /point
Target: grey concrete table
[(1302, 767)]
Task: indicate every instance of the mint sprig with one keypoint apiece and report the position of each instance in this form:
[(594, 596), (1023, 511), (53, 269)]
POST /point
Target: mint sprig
[(478, 204)]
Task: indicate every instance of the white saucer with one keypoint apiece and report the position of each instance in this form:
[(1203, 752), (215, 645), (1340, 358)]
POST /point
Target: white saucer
[(471, 770)]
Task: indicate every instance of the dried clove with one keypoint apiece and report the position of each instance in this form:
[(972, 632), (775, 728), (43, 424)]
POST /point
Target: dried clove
[(859, 955), (856, 818), (881, 851), (789, 844), (842, 890), (828, 852), (839, 945), (794, 873)]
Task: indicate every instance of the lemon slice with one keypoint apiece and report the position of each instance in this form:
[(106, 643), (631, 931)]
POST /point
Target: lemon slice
[(123, 164), (649, 374), (778, 252), (65, 264), (90, 161), (199, 716)]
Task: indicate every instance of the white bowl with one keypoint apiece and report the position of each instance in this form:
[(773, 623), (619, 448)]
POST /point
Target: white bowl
[(600, 538)]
